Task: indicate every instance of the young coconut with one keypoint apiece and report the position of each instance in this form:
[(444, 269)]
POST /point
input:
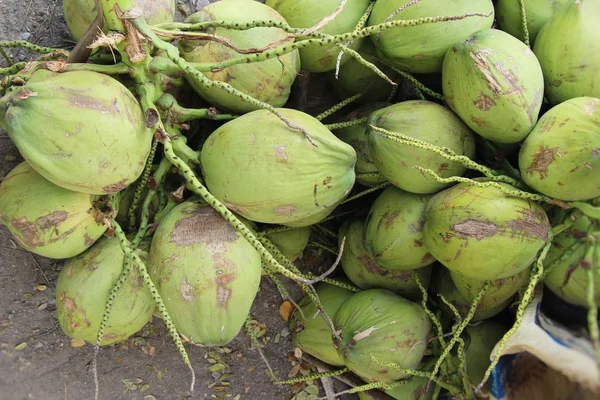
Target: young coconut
[(377, 325), (291, 242), (568, 48), (466, 225), (81, 130), (269, 81), (83, 288), (355, 78), (206, 273), (425, 121), (363, 271), (421, 48), (538, 12), (568, 269), (47, 219), (495, 84), (499, 292), (561, 156), (444, 286), (310, 331), (394, 230), (79, 14), (309, 13), (267, 172), (356, 136), (412, 388)]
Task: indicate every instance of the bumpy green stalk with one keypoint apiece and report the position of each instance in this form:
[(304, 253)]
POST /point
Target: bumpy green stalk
[(591, 255), (142, 185), (347, 124), (460, 327), (129, 253), (313, 377), (447, 153), (536, 275), (367, 191), (23, 44), (176, 113), (6, 57), (338, 106), (434, 320), (524, 23), (416, 84), (13, 69), (421, 374), (323, 247)]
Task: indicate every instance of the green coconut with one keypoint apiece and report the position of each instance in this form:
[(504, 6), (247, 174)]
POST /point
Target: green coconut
[(568, 270), (309, 13), (81, 130), (538, 12), (482, 339), (568, 47), (268, 172), (206, 273), (378, 325), (47, 219), (483, 233), (356, 136), (354, 78), (310, 331), (79, 14), (83, 288), (269, 81), (291, 242), (499, 292), (421, 48), (363, 271), (413, 388), (425, 121), (394, 230), (444, 286), (495, 84), (561, 156)]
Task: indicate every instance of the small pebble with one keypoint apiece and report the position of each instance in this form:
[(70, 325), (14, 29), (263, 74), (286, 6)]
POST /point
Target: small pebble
[(25, 35)]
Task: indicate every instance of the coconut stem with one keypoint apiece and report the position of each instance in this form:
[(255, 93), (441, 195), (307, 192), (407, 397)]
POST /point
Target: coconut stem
[(367, 191), (413, 81), (434, 320), (536, 275), (347, 124), (524, 23), (458, 328), (313, 377), (447, 153), (178, 114), (142, 185), (452, 389), (338, 107), (23, 44), (591, 262)]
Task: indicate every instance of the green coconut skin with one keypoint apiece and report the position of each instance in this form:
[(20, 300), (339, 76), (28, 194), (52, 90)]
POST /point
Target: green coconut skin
[(561, 156), (81, 130), (421, 48), (482, 340), (426, 121), (354, 78), (495, 84), (363, 271), (394, 230), (308, 13), (206, 273), (83, 288), (267, 172), (47, 219), (499, 292), (444, 286), (380, 324), (291, 242), (508, 16), (568, 47), (269, 81), (312, 334), (79, 14), (467, 225), (356, 136), (568, 277)]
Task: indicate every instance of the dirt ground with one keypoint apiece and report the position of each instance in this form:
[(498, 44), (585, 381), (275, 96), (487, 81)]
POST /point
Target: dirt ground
[(38, 361)]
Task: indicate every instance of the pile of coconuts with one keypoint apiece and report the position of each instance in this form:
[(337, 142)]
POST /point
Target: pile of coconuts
[(172, 167)]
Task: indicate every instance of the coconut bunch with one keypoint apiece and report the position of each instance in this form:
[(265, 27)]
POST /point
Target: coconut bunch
[(174, 165)]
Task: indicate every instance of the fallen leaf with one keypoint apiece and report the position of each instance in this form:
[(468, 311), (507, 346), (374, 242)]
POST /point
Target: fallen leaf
[(42, 306), (217, 367), (149, 397), (297, 353), (77, 343), (285, 310), (144, 388), (294, 371), (21, 346), (41, 287)]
